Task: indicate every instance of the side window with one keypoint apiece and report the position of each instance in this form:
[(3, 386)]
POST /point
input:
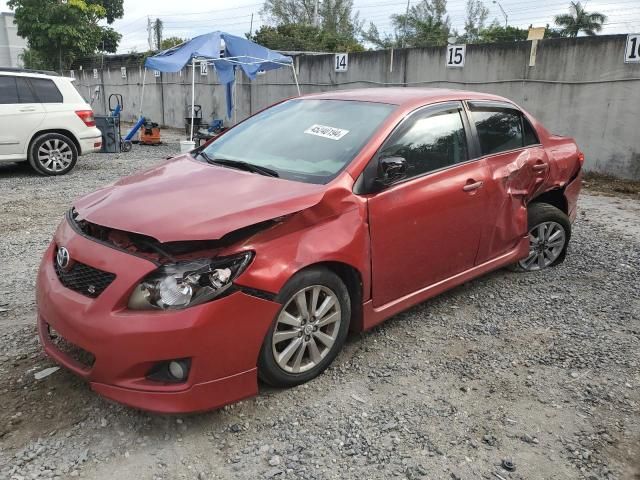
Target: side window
[(498, 129), (46, 90), (530, 135), (430, 142), (25, 94), (8, 90)]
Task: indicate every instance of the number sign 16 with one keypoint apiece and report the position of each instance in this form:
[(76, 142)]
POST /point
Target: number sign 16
[(632, 50), (341, 62), (455, 55)]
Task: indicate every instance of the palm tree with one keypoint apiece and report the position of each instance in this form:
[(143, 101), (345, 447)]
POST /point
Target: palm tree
[(579, 20)]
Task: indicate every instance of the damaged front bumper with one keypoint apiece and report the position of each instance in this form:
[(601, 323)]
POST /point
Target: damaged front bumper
[(221, 339)]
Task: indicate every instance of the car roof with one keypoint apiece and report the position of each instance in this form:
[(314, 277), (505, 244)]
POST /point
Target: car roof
[(404, 95)]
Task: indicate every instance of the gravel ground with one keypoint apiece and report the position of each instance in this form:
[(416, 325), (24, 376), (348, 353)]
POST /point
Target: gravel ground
[(542, 370)]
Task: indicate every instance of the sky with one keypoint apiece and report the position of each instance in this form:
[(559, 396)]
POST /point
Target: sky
[(188, 18)]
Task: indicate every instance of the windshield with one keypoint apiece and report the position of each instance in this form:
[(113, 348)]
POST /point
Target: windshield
[(305, 140)]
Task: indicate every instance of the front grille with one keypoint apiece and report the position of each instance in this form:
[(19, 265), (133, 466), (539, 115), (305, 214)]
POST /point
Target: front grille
[(84, 279)]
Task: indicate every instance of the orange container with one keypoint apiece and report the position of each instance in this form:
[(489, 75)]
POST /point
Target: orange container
[(150, 136)]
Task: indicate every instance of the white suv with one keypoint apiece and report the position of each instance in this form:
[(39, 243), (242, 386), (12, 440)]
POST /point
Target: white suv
[(45, 120)]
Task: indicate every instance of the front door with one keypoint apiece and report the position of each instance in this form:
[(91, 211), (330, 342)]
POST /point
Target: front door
[(426, 227)]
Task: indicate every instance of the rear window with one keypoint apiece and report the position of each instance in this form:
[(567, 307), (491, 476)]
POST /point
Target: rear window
[(498, 130), (25, 93), (46, 90), (530, 135)]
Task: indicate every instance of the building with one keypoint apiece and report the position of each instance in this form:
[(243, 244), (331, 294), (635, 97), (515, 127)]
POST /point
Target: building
[(11, 45)]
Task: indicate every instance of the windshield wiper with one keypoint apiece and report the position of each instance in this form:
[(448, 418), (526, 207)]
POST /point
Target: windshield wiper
[(240, 165)]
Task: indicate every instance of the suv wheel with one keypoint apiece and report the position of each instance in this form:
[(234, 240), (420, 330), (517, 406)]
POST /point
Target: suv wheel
[(308, 331), (53, 154)]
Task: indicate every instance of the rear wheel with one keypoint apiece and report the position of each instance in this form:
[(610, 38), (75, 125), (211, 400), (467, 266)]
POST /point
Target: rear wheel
[(53, 154), (549, 233), (308, 331)]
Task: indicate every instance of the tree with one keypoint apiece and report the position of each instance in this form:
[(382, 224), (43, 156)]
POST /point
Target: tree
[(333, 24), (296, 37), (31, 59), (579, 20), (171, 42), (157, 34), (58, 33), (495, 32), (372, 36), (287, 12), (475, 20), (426, 24), (110, 39), (113, 8)]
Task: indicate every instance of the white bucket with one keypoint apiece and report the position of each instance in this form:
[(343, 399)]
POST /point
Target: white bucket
[(187, 146)]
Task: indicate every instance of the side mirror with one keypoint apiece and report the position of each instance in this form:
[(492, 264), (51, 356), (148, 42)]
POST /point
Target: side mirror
[(391, 169)]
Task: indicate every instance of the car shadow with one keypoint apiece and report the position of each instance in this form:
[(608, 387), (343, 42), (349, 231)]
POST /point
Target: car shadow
[(17, 170)]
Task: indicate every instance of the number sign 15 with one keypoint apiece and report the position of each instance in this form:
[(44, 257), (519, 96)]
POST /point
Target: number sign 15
[(455, 55), (632, 50), (341, 62)]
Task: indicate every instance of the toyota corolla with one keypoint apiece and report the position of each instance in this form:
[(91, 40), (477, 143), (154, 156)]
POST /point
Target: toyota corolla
[(252, 257)]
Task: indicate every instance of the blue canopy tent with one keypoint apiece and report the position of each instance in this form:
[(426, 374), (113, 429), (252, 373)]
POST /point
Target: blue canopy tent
[(237, 52)]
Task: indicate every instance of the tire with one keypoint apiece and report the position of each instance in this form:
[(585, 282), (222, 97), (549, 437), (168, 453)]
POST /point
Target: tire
[(545, 220), (53, 154), (297, 334)]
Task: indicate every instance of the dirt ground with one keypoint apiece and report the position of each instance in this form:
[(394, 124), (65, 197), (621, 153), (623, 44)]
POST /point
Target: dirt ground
[(541, 370)]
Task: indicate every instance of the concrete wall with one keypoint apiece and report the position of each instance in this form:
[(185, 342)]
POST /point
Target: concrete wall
[(578, 87), (11, 45)]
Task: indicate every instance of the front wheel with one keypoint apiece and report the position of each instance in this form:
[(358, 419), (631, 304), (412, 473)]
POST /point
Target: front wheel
[(308, 331), (549, 233)]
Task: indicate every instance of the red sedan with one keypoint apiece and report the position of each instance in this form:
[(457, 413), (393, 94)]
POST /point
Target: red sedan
[(251, 257)]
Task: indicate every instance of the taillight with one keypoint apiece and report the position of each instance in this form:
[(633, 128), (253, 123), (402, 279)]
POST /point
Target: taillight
[(87, 117), (581, 158)]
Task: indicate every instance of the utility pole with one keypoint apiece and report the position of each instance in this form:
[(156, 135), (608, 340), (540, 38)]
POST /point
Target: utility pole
[(149, 33), (251, 26), (315, 13), (506, 17), (406, 18)]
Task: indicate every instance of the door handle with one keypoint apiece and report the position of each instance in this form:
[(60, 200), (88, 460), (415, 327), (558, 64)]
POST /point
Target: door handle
[(540, 167), (28, 109), (471, 186)]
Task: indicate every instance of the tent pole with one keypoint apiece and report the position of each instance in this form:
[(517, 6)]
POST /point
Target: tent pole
[(295, 77), (193, 95), (235, 96), (144, 80)]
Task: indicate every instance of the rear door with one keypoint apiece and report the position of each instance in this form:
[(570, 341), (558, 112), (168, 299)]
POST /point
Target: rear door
[(518, 166), (426, 227), (21, 114)]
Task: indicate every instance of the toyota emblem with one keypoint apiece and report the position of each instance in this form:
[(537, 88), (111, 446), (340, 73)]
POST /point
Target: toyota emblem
[(63, 258)]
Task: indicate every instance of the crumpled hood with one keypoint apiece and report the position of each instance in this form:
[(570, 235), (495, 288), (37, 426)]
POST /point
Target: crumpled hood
[(184, 199)]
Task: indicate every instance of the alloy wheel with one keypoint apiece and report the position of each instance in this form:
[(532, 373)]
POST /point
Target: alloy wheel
[(546, 242), (306, 329), (55, 155)]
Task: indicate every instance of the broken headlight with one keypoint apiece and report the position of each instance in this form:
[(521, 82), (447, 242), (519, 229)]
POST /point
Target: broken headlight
[(188, 283)]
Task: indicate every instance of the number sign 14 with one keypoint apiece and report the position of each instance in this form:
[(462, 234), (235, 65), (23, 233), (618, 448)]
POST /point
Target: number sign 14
[(455, 55), (341, 62), (632, 49)]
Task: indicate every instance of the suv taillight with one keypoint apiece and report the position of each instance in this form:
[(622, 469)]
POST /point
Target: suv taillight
[(87, 117)]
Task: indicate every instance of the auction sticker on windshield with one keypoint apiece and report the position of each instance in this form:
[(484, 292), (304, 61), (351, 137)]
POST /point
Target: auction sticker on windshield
[(327, 132)]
